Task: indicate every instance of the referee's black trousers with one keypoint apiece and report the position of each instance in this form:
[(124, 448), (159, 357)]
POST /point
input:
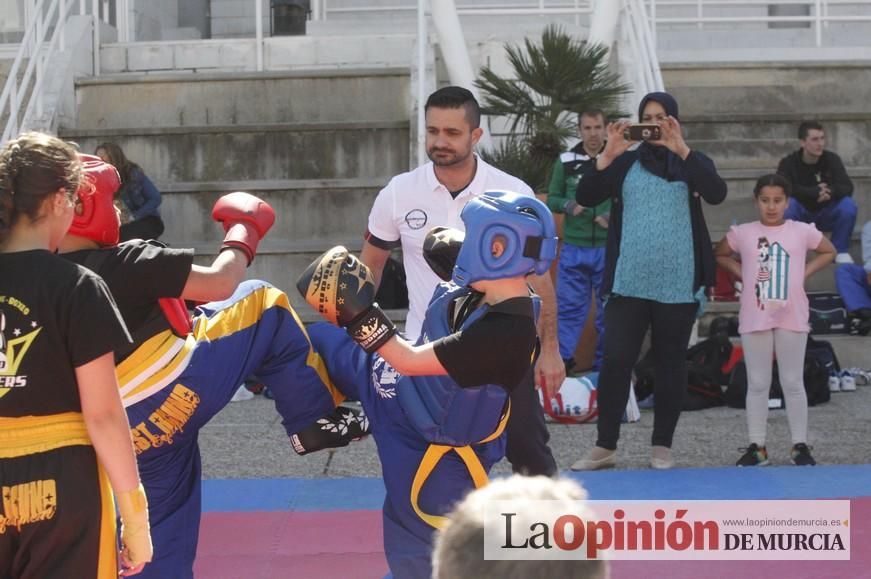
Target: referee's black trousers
[(527, 449)]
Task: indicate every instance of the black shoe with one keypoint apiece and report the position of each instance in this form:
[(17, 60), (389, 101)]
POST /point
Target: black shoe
[(754, 455), (859, 322), (801, 455)]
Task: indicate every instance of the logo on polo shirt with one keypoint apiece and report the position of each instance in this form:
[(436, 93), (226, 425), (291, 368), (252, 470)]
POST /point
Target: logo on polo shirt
[(415, 218)]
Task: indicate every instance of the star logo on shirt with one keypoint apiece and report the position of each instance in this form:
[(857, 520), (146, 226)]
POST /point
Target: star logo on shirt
[(16, 331), (32, 324)]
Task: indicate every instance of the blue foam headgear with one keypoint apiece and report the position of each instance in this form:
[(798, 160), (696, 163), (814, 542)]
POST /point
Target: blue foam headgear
[(525, 224)]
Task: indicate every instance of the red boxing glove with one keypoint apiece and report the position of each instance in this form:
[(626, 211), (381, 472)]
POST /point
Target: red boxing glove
[(246, 220)]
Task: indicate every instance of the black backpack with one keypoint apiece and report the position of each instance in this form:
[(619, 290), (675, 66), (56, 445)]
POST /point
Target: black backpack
[(828, 315), (736, 391), (820, 362), (704, 375)]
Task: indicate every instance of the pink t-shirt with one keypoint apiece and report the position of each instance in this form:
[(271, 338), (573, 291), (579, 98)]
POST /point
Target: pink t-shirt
[(772, 269)]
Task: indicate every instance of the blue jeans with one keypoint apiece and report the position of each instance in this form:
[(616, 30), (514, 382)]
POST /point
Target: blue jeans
[(839, 217), (579, 275), (852, 283)]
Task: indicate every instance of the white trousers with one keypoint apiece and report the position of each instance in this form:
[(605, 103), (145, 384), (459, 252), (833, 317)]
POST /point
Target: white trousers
[(759, 351)]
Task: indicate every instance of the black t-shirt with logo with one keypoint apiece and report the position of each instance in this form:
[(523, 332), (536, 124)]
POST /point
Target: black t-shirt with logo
[(495, 349), (139, 273), (54, 317)]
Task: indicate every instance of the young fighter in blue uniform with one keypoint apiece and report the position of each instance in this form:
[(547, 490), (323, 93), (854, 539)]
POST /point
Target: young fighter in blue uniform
[(437, 408), (179, 372)]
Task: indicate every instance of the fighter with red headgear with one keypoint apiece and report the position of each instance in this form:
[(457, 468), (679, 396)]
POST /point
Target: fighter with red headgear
[(176, 376)]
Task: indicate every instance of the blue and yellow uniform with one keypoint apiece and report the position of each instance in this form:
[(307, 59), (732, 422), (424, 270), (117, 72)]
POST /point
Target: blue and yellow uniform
[(437, 439), (173, 385), (438, 435)]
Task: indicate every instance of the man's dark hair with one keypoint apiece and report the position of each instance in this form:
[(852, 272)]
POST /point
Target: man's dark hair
[(454, 97), (593, 113), (807, 126)]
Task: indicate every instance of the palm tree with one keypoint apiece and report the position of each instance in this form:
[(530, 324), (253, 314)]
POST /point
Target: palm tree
[(553, 78)]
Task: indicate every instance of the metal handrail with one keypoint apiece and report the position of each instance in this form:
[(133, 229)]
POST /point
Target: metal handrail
[(320, 8), (819, 18), (39, 48), (636, 34), (11, 95)]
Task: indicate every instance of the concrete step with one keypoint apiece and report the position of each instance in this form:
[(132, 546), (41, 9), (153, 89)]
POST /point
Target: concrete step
[(760, 140), (765, 154), (741, 210), (327, 150), (852, 351), (216, 99), (235, 55), (309, 213), (742, 181), (812, 87)]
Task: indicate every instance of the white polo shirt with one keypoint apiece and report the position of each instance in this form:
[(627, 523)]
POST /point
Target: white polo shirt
[(413, 203)]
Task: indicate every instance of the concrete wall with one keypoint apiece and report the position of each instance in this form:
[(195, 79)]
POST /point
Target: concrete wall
[(280, 53), (236, 18), (241, 152), (746, 117), (244, 98), (11, 15), (318, 146)]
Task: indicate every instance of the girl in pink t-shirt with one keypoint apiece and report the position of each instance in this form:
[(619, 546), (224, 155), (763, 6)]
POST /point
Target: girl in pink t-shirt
[(773, 321)]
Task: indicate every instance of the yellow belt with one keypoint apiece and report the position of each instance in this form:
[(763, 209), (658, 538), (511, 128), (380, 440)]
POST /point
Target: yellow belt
[(31, 434), (434, 454)]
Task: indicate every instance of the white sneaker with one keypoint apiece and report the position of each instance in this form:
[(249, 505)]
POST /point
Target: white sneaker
[(834, 384), (843, 258), (860, 376), (848, 383), (242, 394)]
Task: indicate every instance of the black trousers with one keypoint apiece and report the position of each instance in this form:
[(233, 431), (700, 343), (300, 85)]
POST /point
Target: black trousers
[(527, 449), (150, 227), (626, 323), (58, 521)]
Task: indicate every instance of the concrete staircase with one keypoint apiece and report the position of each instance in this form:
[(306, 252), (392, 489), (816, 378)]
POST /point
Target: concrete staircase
[(316, 145), (746, 116)]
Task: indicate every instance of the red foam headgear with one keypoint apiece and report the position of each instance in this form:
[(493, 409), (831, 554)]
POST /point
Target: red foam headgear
[(98, 220)]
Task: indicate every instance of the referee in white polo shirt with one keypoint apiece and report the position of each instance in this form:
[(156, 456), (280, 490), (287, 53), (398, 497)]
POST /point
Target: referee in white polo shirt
[(433, 194)]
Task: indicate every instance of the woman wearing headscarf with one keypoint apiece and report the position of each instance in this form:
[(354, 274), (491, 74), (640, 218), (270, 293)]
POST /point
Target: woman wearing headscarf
[(659, 260)]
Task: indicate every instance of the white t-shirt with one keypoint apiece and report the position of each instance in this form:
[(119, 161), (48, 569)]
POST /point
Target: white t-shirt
[(413, 203)]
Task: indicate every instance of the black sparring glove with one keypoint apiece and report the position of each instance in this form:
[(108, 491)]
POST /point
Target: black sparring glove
[(341, 288), (441, 246), (336, 429)]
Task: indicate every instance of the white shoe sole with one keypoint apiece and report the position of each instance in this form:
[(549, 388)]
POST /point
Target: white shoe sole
[(661, 464), (590, 464)]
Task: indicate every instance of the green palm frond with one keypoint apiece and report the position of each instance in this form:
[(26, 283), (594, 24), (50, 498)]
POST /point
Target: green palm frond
[(553, 77), (514, 156)]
